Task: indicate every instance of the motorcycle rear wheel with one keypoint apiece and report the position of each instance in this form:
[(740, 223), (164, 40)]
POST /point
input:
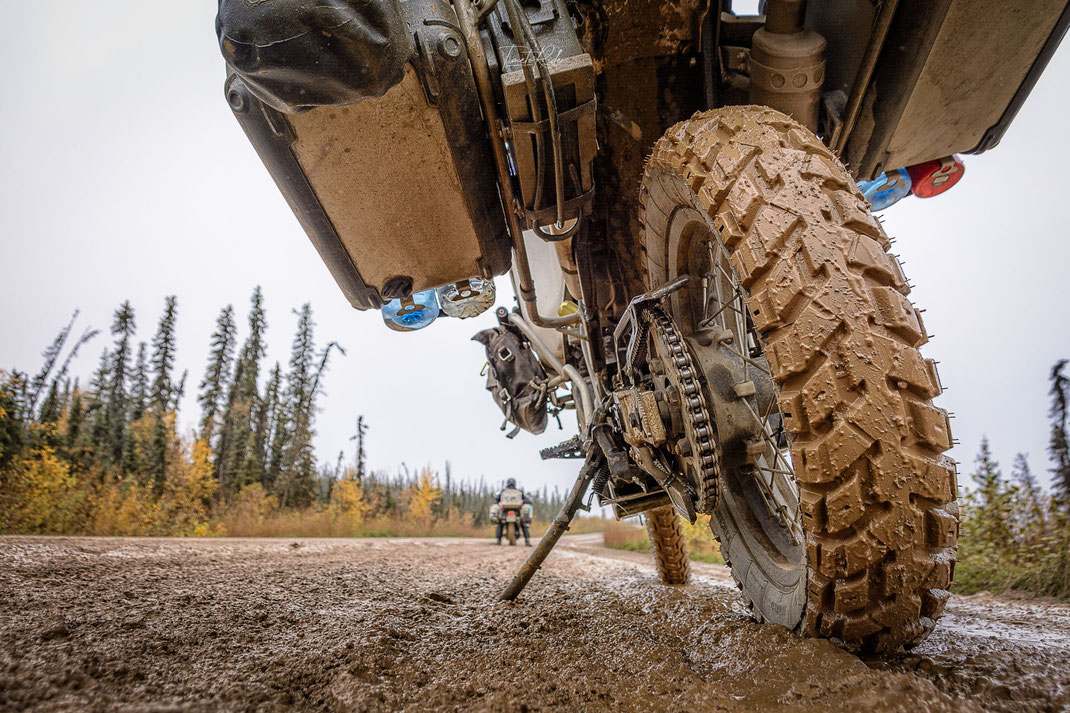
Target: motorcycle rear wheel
[(511, 528), (874, 497)]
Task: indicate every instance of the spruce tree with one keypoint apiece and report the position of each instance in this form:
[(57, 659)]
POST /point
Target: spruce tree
[(161, 393), (65, 395), (299, 464), (75, 426), (252, 467), (362, 430), (52, 406), (1059, 443), (163, 357), (994, 499), (217, 374), (57, 396), (179, 390), (256, 460), (447, 494), (122, 329), (133, 443), (87, 335), (50, 355), (302, 357), (158, 446), (97, 412), (295, 485), (12, 427), (235, 437), (1032, 497), (277, 434), (139, 392), (1023, 475)]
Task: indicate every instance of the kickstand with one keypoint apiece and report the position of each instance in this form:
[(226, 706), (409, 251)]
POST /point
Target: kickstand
[(595, 462)]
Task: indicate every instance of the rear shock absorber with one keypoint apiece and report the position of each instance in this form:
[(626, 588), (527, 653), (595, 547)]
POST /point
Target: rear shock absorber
[(787, 63)]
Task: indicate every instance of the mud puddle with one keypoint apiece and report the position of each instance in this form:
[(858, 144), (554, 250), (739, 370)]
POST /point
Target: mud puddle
[(415, 625)]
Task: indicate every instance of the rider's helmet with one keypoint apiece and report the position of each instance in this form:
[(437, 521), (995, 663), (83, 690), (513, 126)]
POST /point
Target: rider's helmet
[(511, 483)]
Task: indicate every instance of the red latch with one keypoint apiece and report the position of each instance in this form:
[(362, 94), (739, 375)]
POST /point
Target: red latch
[(934, 177)]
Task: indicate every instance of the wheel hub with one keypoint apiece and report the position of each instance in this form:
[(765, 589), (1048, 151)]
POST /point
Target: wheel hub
[(742, 393)]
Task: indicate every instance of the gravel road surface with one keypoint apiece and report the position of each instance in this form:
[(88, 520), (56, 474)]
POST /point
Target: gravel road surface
[(140, 625)]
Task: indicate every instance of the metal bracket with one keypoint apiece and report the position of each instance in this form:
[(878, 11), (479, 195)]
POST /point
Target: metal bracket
[(630, 320)]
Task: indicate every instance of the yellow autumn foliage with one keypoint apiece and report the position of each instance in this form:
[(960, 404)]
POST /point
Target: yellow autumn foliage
[(188, 491), (250, 510), (347, 504), (422, 496), (41, 495)]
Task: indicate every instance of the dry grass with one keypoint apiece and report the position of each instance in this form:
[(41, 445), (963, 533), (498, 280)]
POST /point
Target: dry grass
[(701, 544), (579, 526), (625, 535), (630, 535), (325, 523), (328, 523), (47, 500)]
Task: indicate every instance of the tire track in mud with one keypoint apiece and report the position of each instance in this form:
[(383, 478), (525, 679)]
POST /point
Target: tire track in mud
[(415, 625)]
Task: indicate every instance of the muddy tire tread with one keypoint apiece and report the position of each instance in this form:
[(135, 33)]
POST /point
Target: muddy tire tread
[(668, 545), (877, 493)]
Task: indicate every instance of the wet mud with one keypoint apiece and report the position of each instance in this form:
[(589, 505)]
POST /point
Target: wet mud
[(415, 625)]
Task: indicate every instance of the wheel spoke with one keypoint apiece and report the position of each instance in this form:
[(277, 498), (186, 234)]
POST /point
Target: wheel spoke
[(752, 362), (727, 306), (746, 346), (705, 297)]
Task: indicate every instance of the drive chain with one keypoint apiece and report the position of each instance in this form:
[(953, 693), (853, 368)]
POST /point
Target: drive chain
[(700, 430)]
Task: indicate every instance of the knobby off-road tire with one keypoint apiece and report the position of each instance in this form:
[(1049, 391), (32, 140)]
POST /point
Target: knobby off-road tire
[(876, 494), (667, 543)]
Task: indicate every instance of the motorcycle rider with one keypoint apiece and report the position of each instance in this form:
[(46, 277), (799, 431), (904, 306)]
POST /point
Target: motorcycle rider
[(510, 484)]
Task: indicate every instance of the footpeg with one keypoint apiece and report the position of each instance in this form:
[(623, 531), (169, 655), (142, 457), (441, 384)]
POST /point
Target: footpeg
[(572, 448)]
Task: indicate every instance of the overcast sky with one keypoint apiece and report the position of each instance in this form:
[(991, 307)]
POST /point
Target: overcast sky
[(123, 175)]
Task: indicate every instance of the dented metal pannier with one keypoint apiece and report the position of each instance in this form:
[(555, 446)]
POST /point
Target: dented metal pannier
[(345, 104)]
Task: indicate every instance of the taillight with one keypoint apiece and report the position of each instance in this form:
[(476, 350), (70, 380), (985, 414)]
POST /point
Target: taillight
[(934, 177)]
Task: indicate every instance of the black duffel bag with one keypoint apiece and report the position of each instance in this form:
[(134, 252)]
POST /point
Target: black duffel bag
[(298, 54), (515, 378)]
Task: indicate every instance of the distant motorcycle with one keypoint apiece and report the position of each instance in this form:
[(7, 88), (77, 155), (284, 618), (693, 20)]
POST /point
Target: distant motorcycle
[(512, 512)]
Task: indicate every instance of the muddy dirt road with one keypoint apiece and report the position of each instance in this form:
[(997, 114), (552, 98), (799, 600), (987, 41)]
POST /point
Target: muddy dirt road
[(414, 625)]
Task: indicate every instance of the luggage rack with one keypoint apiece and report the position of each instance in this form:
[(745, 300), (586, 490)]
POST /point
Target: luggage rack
[(567, 215)]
